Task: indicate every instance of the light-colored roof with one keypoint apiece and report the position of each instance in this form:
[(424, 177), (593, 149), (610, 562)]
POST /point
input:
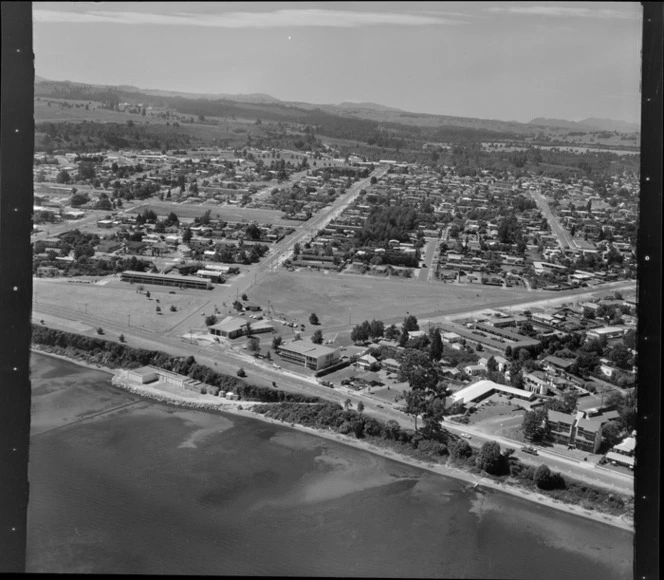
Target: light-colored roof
[(628, 445), (229, 324), (307, 348), (618, 458), (480, 388), (142, 371), (232, 323), (606, 330)]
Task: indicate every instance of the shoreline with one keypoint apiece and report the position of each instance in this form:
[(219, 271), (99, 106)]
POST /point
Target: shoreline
[(242, 408)]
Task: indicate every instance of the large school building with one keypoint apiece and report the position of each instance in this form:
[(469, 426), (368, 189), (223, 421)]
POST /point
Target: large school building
[(165, 280)]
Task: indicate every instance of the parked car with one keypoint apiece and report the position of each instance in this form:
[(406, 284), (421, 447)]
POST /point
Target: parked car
[(530, 450), (466, 435)]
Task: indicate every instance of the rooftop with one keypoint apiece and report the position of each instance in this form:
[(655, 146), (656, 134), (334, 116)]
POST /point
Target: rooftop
[(308, 348), (480, 388)]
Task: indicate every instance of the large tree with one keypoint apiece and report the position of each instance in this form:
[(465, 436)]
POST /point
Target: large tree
[(534, 425), (392, 332), (410, 323), (565, 404), (359, 334), (253, 344), (436, 348), (427, 393), (317, 337), (626, 407), (376, 328), (490, 458)]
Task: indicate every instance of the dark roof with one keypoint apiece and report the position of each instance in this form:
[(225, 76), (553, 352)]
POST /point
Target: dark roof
[(562, 363)]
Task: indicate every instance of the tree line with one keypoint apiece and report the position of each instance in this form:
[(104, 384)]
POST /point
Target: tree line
[(115, 355)]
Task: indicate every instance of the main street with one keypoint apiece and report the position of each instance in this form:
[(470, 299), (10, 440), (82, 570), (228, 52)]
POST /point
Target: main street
[(564, 238)]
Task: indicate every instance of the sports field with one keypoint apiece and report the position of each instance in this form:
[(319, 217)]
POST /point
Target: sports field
[(120, 303)]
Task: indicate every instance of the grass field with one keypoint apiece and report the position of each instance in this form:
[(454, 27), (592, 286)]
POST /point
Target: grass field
[(339, 300), (226, 212), (120, 303)]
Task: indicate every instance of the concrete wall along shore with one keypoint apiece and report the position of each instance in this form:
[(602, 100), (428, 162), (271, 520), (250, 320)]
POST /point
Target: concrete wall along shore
[(123, 381)]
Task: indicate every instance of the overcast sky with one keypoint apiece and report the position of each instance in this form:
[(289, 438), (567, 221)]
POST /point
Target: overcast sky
[(497, 60)]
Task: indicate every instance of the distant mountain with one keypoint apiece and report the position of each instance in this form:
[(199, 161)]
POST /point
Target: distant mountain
[(366, 119), (559, 123), (610, 125), (589, 124), (260, 98), (368, 105)]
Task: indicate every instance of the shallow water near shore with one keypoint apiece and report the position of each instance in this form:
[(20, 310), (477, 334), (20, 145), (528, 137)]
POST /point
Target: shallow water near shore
[(122, 485)]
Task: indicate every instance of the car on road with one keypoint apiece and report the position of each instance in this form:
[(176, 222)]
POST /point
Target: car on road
[(530, 450), (466, 435), (380, 406)]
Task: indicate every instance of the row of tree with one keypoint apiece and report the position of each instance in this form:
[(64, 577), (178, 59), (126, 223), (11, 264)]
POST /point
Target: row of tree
[(116, 355)]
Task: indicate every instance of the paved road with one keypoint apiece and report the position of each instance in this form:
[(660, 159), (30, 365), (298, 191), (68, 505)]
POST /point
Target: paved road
[(564, 238), (579, 470), (427, 259)]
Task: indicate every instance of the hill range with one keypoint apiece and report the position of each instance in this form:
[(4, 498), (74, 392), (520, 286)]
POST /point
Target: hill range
[(271, 108)]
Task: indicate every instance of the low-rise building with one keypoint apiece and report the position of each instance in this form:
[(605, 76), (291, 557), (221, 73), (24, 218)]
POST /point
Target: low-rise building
[(623, 453), (211, 275), (165, 280), (309, 355), (233, 326), (481, 390), (607, 332), (366, 361), (536, 382), (389, 364), (450, 337)]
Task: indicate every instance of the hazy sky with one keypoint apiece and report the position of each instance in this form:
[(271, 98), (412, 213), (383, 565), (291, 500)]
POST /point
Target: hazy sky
[(499, 60)]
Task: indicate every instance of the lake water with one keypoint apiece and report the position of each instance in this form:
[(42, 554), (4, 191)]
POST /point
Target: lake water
[(120, 485)]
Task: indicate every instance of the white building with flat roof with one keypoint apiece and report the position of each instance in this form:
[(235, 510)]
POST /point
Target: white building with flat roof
[(309, 355)]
